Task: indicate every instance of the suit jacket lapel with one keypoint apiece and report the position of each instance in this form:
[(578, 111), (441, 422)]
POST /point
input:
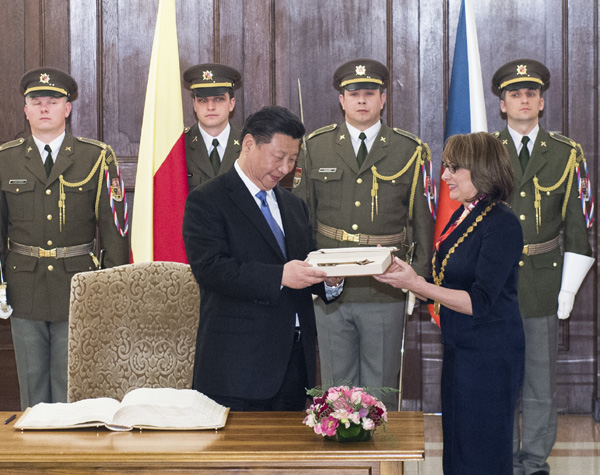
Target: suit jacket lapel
[(378, 149), (538, 156), (232, 151), (245, 201), (34, 161), (65, 158), (197, 144), (344, 148)]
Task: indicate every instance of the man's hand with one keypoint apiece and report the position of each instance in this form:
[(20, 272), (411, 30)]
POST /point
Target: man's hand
[(300, 274)]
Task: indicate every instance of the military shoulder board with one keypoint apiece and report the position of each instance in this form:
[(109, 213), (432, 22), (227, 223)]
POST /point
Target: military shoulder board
[(327, 128), (102, 145), (562, 138), (12, 143), (408, 134)]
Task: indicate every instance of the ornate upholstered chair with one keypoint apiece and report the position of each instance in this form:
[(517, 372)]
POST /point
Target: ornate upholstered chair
[(132, 326)]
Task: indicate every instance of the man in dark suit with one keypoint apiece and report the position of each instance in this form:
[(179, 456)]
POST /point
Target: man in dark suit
[(212, 144), (54, 196), (246, 239), (551, 196)]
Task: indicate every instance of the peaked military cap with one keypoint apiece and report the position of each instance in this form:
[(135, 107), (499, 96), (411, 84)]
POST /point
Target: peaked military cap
[(47, 81), (212, 79), (361, 74), (521, 73)]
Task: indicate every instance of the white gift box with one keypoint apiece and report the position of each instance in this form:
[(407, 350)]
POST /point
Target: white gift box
[(352, 261)]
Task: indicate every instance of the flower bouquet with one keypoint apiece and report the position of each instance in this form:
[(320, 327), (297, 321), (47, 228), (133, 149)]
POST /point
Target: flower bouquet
[(345, 414)]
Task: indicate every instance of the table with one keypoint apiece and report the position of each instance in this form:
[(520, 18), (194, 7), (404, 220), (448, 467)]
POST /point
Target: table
[(251, 443)]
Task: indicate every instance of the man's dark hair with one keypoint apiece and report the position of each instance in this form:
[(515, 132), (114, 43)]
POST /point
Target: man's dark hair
[(271, 120)]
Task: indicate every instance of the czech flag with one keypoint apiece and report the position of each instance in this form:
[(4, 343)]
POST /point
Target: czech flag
[(466, 106), (161, 186)]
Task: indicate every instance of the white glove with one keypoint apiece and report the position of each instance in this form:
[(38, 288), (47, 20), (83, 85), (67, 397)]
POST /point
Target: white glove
[(5, 309), (575, 268), (410, 303)]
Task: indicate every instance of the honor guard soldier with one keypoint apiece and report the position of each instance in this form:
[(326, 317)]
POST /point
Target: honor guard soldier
[(365, 183), (56, 190), (551, 194), (212, 144)]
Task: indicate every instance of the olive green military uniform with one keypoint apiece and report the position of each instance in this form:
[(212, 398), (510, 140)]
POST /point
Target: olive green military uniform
[(339, 196), (39, 287), (546, 201), (539, 283), (199, 168)]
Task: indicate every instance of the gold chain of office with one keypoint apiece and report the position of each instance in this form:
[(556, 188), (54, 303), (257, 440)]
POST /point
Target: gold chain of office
[(420, 161), (438, 278)]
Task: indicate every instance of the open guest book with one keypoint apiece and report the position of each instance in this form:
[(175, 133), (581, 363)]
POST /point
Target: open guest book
[(142, 408)]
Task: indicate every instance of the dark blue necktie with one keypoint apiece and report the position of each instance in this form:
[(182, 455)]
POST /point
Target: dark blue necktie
[(264, 207)]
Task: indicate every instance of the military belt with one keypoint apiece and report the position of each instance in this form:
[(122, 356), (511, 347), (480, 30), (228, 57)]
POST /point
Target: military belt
[(360, 238), (57, 252), (540, 248)]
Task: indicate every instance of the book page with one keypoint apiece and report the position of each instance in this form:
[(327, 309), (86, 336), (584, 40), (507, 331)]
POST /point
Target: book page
[(61, 415), (170, 408)]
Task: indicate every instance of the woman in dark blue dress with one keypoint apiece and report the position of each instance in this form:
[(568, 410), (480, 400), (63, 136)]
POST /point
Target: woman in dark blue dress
[(474, 287)]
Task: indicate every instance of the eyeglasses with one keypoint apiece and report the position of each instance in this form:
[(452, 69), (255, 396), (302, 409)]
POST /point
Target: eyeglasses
[(451, 168)]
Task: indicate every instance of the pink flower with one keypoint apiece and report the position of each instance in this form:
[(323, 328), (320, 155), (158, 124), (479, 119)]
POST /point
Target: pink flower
[(368, 424), (327, 426)]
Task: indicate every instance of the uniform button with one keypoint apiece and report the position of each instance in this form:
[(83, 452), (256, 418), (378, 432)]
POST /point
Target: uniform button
[(357, 203), (359, 180), (80, 189), (521, 263), (354, 227), (555, 264), (48, 192), (49, 242), (548, 193), (522, 217), (49, 217), (18, 189), (325, 178), (50, 268), (523, 194), (393, 181)]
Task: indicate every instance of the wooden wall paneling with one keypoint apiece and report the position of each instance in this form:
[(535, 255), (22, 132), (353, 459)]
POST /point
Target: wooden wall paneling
[(575, 376), (257, 54), (86, 68), (196, 39), (313, 38), (55, 31), (13, 22), (231, 49)]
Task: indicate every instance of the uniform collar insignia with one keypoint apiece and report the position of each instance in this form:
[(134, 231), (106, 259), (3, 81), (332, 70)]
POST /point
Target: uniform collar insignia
[(342, 137), (195, 139), (236, 142), (382, 139), (68, 149), (543, 144), (505, 142), (29, 149)]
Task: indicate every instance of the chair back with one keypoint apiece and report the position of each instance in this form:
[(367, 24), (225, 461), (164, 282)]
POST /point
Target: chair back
[(132, 326)]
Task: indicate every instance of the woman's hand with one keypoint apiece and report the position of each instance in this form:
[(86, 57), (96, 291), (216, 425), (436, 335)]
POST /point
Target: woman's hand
[(399, 275)]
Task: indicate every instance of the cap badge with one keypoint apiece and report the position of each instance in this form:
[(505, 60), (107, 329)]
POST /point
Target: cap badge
[(207, 75), (45, 78), (521, 69), (361, 70)]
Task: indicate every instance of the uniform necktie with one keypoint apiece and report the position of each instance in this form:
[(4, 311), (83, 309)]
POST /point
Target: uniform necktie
[(362, 150), (215, 160), (524, 153), (266, 211), (49, 161)]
